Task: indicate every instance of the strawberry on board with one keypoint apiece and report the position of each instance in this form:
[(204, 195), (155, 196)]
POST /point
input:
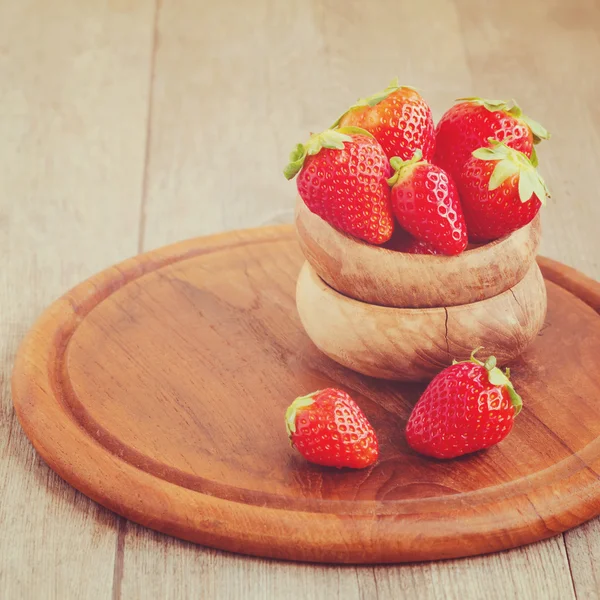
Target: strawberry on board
[(467, 407), (342, 178), (398, 117), (500, 190), (468, 126), (328, 428), (425, 202)]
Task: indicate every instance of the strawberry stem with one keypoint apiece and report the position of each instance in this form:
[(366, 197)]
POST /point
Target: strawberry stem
[(497, 377), (473, 359), (399, 165)]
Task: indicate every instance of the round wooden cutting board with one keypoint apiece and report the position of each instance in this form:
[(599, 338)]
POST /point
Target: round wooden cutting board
[(158, 388)]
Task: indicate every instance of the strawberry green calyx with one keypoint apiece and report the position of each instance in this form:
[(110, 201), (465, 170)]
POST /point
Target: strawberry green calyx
[(327, 139), (511, 107), (294, 407), (353, 130), (399, 165), (491, 105), (497, 377), (330, 138), (376, 98), (537, 129), (512, 162)]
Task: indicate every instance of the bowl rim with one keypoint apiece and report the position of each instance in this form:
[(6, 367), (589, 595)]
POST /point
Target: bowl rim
[(338, 296), (439, 258)]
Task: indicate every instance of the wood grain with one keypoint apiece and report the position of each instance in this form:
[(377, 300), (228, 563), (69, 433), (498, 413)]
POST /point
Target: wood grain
[(73, 84), (308, 34), (146, 388), (383, 276), (414, 344), (279, 51)]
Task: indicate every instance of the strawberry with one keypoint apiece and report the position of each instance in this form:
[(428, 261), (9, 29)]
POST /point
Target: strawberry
[(468, 126), (328, 428), (398, 117), (416, 246), (467, 407), (342, 179), (501, 191), (426, 204), (402, 241)]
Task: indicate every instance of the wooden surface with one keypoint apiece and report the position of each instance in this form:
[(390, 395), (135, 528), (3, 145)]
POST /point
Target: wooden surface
[(157, 388), (378, 275), (414, 344), (120, 124)]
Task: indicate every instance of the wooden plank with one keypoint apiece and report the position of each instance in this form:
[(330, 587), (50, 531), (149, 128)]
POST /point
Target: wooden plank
[(583, 546), (226, 110), (73, 98), (541, 68), (532, 572)]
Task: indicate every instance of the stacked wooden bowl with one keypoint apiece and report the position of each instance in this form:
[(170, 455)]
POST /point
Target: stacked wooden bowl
[(394, 315)]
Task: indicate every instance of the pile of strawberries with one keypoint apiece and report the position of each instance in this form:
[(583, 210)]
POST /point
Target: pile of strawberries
[(385, 174)]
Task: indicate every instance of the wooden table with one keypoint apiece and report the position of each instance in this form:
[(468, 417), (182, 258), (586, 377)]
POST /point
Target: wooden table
[(129, 124)]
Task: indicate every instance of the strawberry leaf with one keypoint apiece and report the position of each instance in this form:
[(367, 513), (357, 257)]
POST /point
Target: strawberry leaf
[(297, 157), (379, 96), (374, 99), (329, 138), (516, 400), (526, 185), (537, 129), (399, 165), (502, 171), (491, 105), (351, 129), (487, 154), (490, 363), (534, 158), (497, 377), (292, 412), (515, 110), (512, 162)]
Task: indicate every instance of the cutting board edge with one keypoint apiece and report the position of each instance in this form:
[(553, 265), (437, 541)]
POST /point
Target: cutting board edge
[(71, 308)]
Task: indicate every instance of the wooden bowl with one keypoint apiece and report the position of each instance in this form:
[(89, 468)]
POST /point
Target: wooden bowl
[(413, 344), (389, 278)]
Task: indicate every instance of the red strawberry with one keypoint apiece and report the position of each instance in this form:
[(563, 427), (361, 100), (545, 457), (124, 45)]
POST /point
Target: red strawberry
[(501, 191), (343, 180), (468, 126), (398, 117), (416, 246), (328, 428), (426, 204), (467, 407), (402, 241)]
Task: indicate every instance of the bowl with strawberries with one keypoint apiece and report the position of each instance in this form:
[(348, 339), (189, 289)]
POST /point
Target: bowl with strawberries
[(420, 240)]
